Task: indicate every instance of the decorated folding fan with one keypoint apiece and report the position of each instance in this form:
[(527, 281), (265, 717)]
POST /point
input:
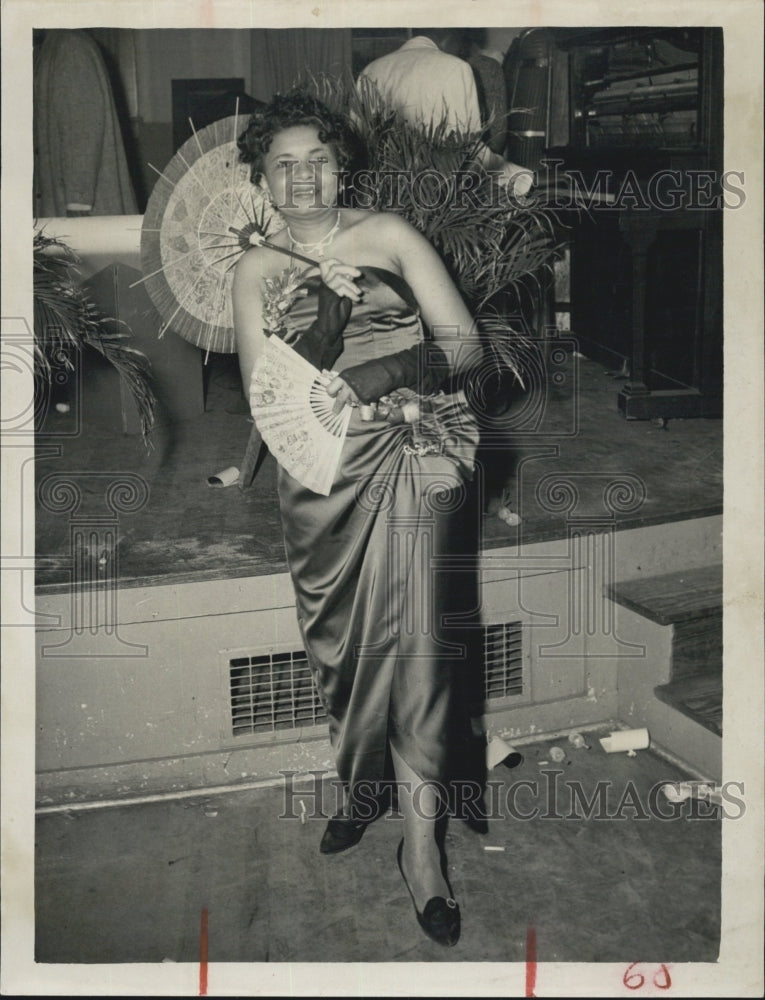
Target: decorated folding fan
[(293, 412)]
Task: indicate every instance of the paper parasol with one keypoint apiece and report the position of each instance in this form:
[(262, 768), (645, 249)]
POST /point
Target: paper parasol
[(199, 220)]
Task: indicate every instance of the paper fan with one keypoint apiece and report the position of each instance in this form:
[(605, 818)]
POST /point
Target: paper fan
[(199, 220), (293, 412)]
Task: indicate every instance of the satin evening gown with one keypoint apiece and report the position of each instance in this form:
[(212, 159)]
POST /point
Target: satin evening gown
[(384, 571)]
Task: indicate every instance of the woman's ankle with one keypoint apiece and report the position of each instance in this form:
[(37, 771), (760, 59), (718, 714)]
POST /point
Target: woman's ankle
[(423, 870)]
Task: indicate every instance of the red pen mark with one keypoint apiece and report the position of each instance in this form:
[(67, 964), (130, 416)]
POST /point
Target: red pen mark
[(665, 985), (203, 954), (634, 980), (531, 960)]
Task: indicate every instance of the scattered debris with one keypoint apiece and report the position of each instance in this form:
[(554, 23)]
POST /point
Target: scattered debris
[(578, 742), (682, 790), (626, 739), (227, 477), (499, 752), (508, 516)]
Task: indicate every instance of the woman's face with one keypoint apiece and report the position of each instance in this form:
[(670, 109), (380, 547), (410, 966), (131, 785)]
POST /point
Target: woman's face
[(301, 170)]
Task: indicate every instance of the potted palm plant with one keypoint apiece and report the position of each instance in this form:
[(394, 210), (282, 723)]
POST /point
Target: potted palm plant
[(496, 246)]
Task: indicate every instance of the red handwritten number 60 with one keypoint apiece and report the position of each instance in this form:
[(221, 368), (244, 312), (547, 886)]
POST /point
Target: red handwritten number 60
[(635, 980)]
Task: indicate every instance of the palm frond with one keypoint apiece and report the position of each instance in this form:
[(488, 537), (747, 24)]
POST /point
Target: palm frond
[(132, 366), (65, 320)]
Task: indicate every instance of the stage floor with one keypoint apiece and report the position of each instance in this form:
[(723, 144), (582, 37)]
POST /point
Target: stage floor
[(569, 436)]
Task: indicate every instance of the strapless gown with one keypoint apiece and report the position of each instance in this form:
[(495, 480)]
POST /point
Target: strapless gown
[(383, 605)]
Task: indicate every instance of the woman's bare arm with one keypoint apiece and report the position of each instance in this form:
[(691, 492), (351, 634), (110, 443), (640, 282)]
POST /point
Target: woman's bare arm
[(248, 313), (441, 305)]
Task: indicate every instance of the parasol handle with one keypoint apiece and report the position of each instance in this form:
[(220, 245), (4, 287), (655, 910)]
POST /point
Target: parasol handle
[(262, 242)]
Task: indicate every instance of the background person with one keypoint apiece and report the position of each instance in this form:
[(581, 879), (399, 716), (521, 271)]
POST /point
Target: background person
[(426, 83), (80, 166), (490, 84)]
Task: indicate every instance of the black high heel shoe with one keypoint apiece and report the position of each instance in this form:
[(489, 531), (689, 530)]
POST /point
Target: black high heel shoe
[(441, 917), (340, 834)]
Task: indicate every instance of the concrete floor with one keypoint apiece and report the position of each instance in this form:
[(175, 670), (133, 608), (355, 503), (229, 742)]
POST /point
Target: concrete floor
[(128, 884)]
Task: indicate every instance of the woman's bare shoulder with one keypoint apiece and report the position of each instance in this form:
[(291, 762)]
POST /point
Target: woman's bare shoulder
[(378, 222), (258, 263), (386, 234), (250, 261)]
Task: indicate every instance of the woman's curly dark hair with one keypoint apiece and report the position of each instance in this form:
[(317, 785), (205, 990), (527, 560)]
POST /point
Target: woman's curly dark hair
[(297, 107)]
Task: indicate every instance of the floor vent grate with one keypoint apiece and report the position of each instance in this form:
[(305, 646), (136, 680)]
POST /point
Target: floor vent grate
[(271, 692), (503, 660), (275, 691)]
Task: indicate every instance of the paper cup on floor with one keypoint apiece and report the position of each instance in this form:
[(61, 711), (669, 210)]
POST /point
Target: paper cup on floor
[(626, 739), (226, 478), (499, 752)]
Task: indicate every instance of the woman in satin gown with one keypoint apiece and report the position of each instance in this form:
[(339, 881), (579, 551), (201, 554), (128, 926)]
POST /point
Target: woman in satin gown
[(375, 564)]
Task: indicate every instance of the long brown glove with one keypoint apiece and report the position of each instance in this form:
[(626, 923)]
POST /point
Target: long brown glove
[(321, 343), (423, 367)]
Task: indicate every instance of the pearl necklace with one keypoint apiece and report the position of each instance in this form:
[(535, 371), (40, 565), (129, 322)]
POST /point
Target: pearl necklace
[(316, 248)]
